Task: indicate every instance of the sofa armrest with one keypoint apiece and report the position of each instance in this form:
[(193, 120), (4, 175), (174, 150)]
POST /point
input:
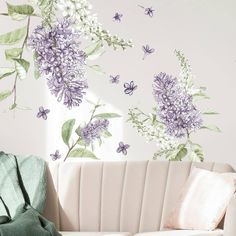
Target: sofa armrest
[(230, 218)]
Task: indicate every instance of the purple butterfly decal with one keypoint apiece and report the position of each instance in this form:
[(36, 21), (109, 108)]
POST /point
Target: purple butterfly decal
[(55, 156), (149, 11), (115, 79), (130, 87), (43, 113), (117, 17), (147, 51), (122, 148)]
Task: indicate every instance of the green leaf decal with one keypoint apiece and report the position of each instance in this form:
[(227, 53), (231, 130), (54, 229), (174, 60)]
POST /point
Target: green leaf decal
[(81, 142), (4, 72), (93, 48), (95, 55), (36, 69), (19, 12), (81, 152), (13, 36), (66, 131), (36, 74), (77, 131), (47, 8), (13, 53), (210, 113), (106, 134), (22, 67), (13, 106), (5, 94), (107, 115), (97, 69), (199, 154), (181, 154), (211, 127)]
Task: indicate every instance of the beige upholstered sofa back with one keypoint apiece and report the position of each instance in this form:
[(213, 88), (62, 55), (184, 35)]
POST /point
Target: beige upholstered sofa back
[(128, 196)]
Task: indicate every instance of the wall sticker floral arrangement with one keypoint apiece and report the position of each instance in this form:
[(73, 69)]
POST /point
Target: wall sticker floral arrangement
[(175, 117), (61, 60)]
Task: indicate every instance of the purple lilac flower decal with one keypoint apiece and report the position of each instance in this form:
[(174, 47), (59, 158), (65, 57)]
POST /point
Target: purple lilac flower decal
[(55, 156), (147, 51), (59, 57), (122, 148), (117, 17), (129, 88), (149, 11), (43, 113), (175, 106), (94, 130), (115, 79)]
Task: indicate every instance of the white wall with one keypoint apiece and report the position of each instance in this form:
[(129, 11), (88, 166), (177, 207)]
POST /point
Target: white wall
[(203, 29)]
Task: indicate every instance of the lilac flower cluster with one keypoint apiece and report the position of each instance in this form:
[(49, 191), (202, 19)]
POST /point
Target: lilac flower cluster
[(59, 57), (175, 106), (94, 130)]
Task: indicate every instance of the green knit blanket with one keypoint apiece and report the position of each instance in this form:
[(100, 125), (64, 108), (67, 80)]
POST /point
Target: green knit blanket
[(22, 194)]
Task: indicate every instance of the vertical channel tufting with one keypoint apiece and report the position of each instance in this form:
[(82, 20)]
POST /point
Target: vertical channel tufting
[(90, 196), (178, 174), (58, 202), (113, 174), (113, 196), (142, 200), (51, 210), (79, 195), (122, 194), (163, 202), (132, 196), (153, 195), (69, 174), (101, 191)]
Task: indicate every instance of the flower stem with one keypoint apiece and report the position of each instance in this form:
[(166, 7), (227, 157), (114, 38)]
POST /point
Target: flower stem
[(14, 90), (71, 148), (93, 111), (6, 14), (91, 118)]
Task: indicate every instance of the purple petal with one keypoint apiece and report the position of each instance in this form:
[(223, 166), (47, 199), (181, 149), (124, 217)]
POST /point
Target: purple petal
[(124, 151), (39, 114), (44, 116), (126, 85), (119, 149), (121, 144)]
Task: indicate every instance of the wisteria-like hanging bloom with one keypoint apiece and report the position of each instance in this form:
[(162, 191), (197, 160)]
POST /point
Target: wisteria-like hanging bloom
[(88, 24), (59, 57), (175, 106), (94, 130)]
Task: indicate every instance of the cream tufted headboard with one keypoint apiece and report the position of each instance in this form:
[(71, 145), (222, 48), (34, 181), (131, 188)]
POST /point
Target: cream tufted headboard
[(128, 196)]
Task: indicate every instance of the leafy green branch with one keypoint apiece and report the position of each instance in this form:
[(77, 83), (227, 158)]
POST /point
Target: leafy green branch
[(79, 148), (15, 55), (47, 8)]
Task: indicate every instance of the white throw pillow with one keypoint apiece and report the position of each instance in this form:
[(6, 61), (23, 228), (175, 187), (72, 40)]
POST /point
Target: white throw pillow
[(203, 200)]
